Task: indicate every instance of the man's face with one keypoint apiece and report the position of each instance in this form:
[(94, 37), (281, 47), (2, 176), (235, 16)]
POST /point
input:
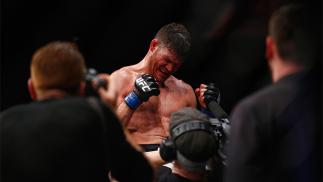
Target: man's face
[(164, 63)]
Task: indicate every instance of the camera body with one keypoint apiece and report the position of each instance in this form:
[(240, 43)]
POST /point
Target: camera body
[(90, 78), (221, 130)]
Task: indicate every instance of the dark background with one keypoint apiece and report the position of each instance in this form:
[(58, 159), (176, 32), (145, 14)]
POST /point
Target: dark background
[(228, 39)]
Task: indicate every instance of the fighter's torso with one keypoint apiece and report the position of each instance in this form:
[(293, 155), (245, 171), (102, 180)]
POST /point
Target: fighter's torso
[(149, 123)]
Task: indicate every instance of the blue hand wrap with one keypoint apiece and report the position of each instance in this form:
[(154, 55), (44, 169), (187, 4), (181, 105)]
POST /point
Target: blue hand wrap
[(132, 100)]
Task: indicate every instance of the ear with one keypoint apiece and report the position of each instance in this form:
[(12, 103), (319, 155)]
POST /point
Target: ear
[(81, 91), (31, 89), (153, 45), (269, 48)]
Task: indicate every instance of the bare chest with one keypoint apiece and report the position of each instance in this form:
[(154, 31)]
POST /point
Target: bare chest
[(165, 104), (155, 113)]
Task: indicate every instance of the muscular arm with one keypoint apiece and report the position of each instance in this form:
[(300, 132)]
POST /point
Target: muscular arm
[(120, 84), (124, 113), (190, 96), (137, 89), (122, 110)]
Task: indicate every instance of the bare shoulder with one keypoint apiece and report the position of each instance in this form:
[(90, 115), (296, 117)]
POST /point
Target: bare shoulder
[(123, 73), (180, 85), (122, 79)]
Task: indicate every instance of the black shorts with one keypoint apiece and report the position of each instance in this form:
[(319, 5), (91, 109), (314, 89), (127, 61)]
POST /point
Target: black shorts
[(149, 147)]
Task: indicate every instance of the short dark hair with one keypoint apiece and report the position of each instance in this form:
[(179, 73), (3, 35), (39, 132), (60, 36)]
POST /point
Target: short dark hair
[(294, 27), (175, 37), (58, 65)]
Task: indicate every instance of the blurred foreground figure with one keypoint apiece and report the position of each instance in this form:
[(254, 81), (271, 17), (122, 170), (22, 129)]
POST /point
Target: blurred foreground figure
[(63, 137), (275, 133)]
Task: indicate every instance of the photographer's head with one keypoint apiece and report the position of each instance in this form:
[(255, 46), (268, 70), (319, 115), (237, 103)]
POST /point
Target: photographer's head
[(57, 69), (192, 141), (293, 43)]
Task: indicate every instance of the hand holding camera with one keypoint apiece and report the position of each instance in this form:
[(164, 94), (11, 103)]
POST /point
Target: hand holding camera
[(93, 82)]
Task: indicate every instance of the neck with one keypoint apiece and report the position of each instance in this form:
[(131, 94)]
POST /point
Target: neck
[(283, 68), (51, 94), (144, 65), (191, 175)]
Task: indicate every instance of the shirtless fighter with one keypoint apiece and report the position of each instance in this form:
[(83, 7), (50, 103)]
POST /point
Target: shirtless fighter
[(147, 91)]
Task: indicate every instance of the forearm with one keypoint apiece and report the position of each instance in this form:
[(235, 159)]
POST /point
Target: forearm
[(124, 113)]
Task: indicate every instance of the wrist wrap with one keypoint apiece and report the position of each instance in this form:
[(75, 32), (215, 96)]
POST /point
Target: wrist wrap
[(132, 100)]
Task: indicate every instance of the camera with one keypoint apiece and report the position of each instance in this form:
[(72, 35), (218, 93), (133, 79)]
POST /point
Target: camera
[(221, 129), (93, 82), (216, 165)]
